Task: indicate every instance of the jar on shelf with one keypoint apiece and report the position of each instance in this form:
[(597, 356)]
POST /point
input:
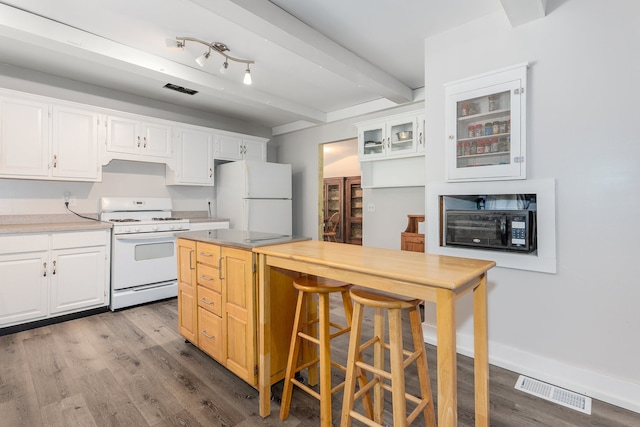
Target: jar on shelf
[(494, 145), (464, 110), (503, 126), (493, 102), (478, 130), (472, 131), (473, 149), (480, 146), (459, 149), (503, 144), (495, 127), (488, 128), (466, 148)]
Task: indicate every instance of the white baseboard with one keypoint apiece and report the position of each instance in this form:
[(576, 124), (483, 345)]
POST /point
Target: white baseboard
[(597, 386)]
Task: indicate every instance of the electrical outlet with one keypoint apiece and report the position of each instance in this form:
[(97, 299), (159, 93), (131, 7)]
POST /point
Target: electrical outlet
[(72, 201), (209, 202), (371, 207)]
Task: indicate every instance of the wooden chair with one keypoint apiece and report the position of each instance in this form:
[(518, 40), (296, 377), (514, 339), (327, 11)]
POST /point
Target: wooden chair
[(331, 227)]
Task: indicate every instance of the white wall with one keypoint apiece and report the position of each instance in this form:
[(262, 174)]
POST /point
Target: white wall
[(577, 328), (382, 228)]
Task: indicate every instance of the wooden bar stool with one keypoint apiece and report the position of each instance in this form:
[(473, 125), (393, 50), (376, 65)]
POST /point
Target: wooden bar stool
[(394, 304), (307, 286)]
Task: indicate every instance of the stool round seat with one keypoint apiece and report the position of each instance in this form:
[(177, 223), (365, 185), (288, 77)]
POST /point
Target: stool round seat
[(319, 285), (379, 299)]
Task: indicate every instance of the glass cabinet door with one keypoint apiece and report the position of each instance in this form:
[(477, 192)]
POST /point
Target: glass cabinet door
[(373, 140), (353, 229), (401, 136), (485, 126)]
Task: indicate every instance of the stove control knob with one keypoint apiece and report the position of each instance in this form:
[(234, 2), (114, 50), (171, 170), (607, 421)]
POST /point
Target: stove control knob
[(137, 229), (171, 227), (155, 228), (127, 230)]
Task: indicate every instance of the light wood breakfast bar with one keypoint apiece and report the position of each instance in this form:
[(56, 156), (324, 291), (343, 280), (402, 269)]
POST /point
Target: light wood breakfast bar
[(436, 278)]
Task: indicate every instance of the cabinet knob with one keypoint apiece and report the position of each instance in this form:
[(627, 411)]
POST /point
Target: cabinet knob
[(44, 272), (210, 173), (450, 136), (138, 142), (55, 160), (145, 142), (54, 268)]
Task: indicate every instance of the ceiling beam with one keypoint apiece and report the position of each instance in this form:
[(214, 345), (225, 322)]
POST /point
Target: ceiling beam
[(17, 26), (276, 25)]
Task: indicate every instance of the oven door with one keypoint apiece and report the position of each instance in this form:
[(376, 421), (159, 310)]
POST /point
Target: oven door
[(143, 259), (478, 229)]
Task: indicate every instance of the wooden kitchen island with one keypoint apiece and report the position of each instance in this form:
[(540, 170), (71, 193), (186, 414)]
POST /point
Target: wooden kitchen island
[(435, 278)]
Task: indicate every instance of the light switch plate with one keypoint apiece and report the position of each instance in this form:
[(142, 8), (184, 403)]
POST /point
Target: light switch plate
[(371, 207)]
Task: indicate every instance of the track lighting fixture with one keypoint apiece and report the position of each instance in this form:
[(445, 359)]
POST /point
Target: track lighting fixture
[(218, 47)]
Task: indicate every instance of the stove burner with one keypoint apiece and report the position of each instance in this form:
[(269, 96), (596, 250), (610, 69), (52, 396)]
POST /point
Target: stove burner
[(166, 219), (125, 220)]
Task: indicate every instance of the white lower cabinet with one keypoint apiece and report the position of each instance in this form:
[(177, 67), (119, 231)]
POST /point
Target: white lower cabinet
[(47, 275)]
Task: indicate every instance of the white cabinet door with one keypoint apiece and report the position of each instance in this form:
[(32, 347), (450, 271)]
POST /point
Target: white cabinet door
[(193, 162), (77, 279), (23, 286), (485, 122), (254, 150), (156, 139), (75, 144), (396, 136), (130, 135), (228, 147), (24, 138)]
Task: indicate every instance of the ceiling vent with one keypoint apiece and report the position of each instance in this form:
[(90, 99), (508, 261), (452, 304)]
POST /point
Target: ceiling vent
[(180, 89)]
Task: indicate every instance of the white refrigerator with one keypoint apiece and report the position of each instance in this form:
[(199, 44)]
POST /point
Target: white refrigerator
[(255, 196)]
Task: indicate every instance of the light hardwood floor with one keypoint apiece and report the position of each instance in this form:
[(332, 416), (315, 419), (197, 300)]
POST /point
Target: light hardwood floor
[(132, 368)]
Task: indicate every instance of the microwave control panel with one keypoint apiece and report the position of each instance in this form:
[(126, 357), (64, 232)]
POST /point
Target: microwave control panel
[(518, 231)]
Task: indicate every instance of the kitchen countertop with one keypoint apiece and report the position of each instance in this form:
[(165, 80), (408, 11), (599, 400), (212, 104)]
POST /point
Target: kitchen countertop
[(240, 238), (16, 224)]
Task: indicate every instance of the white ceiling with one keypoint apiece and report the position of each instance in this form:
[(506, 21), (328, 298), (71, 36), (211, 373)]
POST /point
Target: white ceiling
[(315, 60)]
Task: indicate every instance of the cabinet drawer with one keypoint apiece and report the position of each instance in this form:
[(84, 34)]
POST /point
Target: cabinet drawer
[(209, 277), (210, 300), (208, 254), (210, 333)]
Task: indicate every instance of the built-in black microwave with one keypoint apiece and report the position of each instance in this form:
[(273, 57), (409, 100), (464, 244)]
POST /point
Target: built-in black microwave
[(508, 230)]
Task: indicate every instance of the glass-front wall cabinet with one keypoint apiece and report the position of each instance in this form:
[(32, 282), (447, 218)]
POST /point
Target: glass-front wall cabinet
[(486, 126), (396, 136), (353, 223)]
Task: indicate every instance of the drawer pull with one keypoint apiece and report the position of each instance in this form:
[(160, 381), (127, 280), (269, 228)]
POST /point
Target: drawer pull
[(207, 302), (206, 278), (208, 336), (206, 254)]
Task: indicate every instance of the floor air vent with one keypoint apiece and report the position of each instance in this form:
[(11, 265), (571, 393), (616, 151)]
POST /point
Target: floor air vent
[(554, 394)]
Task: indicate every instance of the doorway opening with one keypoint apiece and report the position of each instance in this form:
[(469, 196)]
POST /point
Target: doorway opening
[(341, 193)]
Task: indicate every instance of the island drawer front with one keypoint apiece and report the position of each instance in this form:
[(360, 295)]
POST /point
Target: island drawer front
[(210, 333), (209, 277), (208, 254), (210, 300)]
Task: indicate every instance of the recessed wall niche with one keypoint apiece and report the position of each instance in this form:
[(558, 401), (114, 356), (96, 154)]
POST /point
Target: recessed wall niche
[(533, 199)]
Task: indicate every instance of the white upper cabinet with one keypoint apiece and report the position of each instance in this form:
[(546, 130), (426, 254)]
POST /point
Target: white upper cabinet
[(391, 137), (240, 147), (486, 126), (137, 136), (193, 158), (24, 137), (74, 142), (41, 140)]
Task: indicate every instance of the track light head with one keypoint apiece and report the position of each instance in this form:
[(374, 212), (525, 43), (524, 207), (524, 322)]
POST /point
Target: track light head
[(247, 76), (224, 67), (200, 60)]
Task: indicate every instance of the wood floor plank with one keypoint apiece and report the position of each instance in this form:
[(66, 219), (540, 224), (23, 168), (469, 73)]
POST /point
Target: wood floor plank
[(108, 403), (70, 412)]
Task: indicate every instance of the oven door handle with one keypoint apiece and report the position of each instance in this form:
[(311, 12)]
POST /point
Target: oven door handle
[(145, 236)]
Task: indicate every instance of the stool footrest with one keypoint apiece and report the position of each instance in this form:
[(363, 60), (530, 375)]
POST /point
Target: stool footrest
[(373, 370)]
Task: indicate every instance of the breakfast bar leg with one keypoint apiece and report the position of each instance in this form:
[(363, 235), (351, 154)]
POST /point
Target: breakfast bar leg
[(264, 336), (446, 351), (481, 358)]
